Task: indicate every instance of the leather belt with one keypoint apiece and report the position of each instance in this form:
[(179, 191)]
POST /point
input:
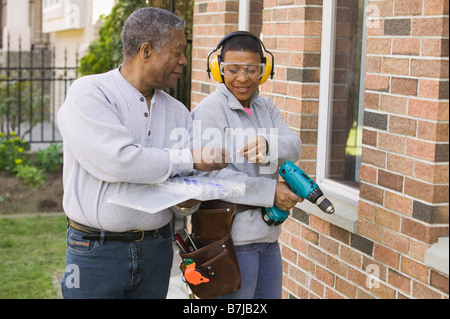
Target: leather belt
[(96, 234)]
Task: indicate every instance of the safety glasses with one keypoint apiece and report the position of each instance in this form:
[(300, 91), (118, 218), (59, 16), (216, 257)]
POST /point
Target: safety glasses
[(232, 70)]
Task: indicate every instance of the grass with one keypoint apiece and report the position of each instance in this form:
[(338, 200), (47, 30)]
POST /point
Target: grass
[(32, 251)]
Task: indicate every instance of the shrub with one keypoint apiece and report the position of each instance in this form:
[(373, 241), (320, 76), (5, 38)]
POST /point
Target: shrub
[(12, 152), (50, 159), (31, 175)]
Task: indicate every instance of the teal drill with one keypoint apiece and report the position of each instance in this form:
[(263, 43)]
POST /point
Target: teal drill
[(302, 185)]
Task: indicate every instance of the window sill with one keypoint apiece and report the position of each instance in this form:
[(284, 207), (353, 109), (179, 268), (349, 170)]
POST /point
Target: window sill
[(345, 215), (437, 255)]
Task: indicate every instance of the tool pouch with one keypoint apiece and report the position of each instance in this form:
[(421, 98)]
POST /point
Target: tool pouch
[(216, 255)]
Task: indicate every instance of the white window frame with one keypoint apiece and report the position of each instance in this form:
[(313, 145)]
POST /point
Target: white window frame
[(56, 4), (338, 190)]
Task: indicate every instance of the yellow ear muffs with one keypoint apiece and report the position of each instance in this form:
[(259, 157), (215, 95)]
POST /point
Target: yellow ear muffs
[(214, 67), (267, 71)]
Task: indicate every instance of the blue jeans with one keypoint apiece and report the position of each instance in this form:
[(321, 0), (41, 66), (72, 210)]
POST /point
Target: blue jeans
[(261, 272), (116, 269)]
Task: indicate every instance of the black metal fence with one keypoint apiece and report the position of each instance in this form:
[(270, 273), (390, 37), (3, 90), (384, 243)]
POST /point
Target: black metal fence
[(33, 84)]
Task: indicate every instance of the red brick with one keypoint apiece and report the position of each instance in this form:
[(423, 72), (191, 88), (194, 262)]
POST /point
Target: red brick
[(306, 264), (374, 157), (435, 47), (398, 203), (365, 210), (336, 266), (370, 230), (319, 224), (432, 131), (317, 255), (430, 26), (371, 100), (429, 68), (383, 291), (386, 256), (394, 104), (404, 86), (377, 82), (400, 164), (416, 230), (421, 291), (387, 219), (402, 125), (391, 142), (309, 235), (298, 244), (350, 256), (399, 281), (378, 46), (435, 7), (390, 180), (439, 281), (431, 173), (371, 193), (325, 276), (420, 149), (408, 7), (397, 66), (406, 46), (432, 110), (358, 277), (396, 241), (330, 245), (368, 174), (415, 269), (346, 288)]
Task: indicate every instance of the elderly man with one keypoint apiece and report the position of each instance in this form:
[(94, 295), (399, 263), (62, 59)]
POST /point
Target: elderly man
[(117, 131)]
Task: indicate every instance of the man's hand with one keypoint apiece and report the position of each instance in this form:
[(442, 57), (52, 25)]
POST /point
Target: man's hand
[(285, 199), (210, 158), (255, 150)]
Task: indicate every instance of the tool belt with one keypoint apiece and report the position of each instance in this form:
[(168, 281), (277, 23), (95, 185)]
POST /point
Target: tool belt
[(212, 269), (96, 234)]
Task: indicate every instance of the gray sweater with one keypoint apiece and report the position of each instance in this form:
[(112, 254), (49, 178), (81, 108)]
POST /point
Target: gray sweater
[(113, 142), (222, 112)]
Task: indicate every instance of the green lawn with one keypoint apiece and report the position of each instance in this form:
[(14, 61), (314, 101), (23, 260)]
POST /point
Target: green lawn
[(32, 251)]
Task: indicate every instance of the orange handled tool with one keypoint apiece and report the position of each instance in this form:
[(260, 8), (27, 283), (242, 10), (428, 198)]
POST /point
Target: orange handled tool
[(194, 274)]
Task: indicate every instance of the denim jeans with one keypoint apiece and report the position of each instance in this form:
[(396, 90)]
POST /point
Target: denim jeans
[(116, 269), (261, 272)]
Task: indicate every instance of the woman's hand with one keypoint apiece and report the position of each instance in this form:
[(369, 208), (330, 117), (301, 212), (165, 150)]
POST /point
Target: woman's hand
[(255, 150), (285, 199)]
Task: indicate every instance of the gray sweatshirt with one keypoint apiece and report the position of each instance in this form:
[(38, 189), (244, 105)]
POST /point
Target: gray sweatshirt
[(113, 142), (220, 120)]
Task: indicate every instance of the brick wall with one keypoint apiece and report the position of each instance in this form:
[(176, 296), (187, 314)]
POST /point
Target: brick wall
[(213, 19), (403, 207)]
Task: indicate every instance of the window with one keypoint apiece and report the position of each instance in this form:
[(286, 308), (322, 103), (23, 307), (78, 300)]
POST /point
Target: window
[(51, 4), (341, 103)]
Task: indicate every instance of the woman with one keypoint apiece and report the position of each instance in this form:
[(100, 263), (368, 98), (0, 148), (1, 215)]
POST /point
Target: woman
[(259, 141)]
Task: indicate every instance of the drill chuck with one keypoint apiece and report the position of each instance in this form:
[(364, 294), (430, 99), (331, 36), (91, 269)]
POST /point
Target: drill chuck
[(325, 205), (317, 197)]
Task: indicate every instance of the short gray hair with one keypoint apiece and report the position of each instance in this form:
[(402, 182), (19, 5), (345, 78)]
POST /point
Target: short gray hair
[(152, 25)]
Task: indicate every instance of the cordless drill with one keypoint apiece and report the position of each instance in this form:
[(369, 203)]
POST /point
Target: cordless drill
[(302, 185)]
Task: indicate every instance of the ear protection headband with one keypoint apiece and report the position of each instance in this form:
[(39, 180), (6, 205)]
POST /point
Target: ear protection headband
[(214, 67)]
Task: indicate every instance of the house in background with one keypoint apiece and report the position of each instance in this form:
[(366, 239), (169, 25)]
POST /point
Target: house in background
[(41, 44), (59, 24), (365, 84)]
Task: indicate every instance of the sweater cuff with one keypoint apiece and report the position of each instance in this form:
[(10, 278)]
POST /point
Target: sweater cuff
[(182, 162)]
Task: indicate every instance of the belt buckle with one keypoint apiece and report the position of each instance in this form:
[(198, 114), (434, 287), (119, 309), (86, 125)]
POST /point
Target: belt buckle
[(142, 234)]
